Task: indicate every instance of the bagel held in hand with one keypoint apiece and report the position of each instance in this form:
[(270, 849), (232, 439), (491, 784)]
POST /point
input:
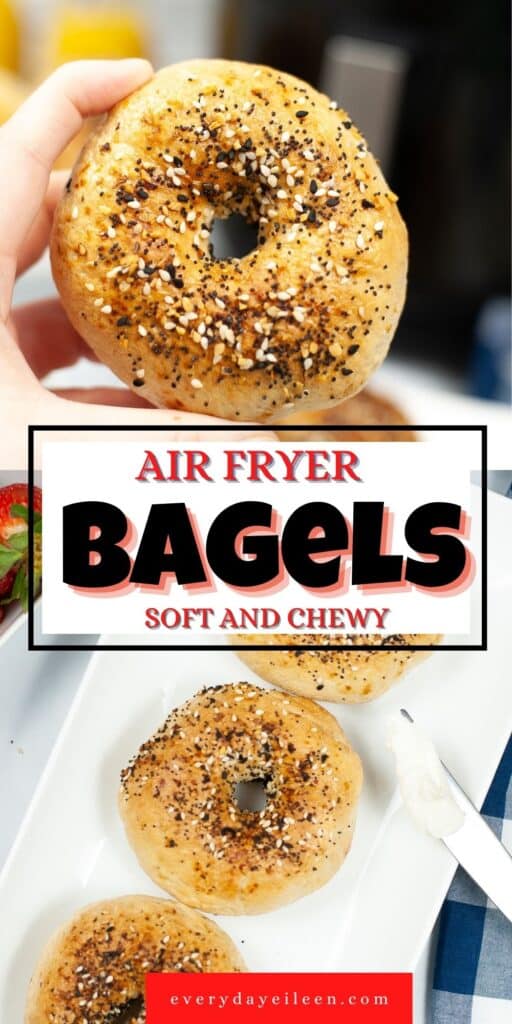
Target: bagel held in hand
[(94, 968), (305, 318), (344, 677), (179, 807)]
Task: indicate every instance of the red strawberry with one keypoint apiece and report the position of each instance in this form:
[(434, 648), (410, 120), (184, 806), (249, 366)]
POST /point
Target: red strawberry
[(7, 583), (13, 495), (14, 500)]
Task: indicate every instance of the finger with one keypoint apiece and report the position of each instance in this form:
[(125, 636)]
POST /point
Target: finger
[(16, 377), (84, 414), (119, 397), (38, 235), (33, 138), (46, 337), (22, 405)]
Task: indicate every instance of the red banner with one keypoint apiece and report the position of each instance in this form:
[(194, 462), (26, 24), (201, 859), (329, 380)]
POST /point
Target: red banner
[(308, 998)]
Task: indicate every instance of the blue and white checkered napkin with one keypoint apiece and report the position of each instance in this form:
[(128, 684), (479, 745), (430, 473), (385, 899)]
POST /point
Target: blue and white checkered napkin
[(473, 969)]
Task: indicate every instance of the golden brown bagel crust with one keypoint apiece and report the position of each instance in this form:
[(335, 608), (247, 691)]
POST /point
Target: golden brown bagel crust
[(95, 966), (368, 408), (178, 805), (305, 318), (345, 677)]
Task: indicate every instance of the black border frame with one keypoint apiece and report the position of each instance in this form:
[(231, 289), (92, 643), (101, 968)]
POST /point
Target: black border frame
[(33, 428)]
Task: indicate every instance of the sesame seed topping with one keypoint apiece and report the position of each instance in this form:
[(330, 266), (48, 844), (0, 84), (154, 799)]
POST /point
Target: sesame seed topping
[(162, 202)]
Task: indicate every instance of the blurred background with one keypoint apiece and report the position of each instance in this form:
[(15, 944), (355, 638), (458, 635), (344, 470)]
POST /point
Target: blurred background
[(426, 83)]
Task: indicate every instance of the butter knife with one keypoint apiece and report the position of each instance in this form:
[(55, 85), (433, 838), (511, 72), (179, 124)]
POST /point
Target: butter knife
[(478, 850)]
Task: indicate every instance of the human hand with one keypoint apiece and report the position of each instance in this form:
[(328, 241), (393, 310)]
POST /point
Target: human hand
[(38, 338)]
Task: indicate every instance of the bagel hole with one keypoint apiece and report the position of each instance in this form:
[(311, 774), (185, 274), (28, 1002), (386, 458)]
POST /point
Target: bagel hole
[(232, 238), (251, 795), (129, 1013)]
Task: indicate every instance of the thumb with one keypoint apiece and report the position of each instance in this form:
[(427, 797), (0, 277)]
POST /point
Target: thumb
[(66, 414)]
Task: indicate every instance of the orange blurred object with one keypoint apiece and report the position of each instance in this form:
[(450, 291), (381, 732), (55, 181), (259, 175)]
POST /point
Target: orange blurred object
[(95, 30), (9, 37)]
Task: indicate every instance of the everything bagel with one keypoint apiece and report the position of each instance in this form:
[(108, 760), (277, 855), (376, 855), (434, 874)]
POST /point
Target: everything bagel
[(94, 968), (304, 318), (179, 807), (347, 676)]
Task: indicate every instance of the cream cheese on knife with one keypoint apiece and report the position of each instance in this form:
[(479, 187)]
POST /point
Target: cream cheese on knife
[(422, 779)]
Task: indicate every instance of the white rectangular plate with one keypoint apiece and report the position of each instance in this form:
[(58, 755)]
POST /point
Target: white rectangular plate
[(376, 914)]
